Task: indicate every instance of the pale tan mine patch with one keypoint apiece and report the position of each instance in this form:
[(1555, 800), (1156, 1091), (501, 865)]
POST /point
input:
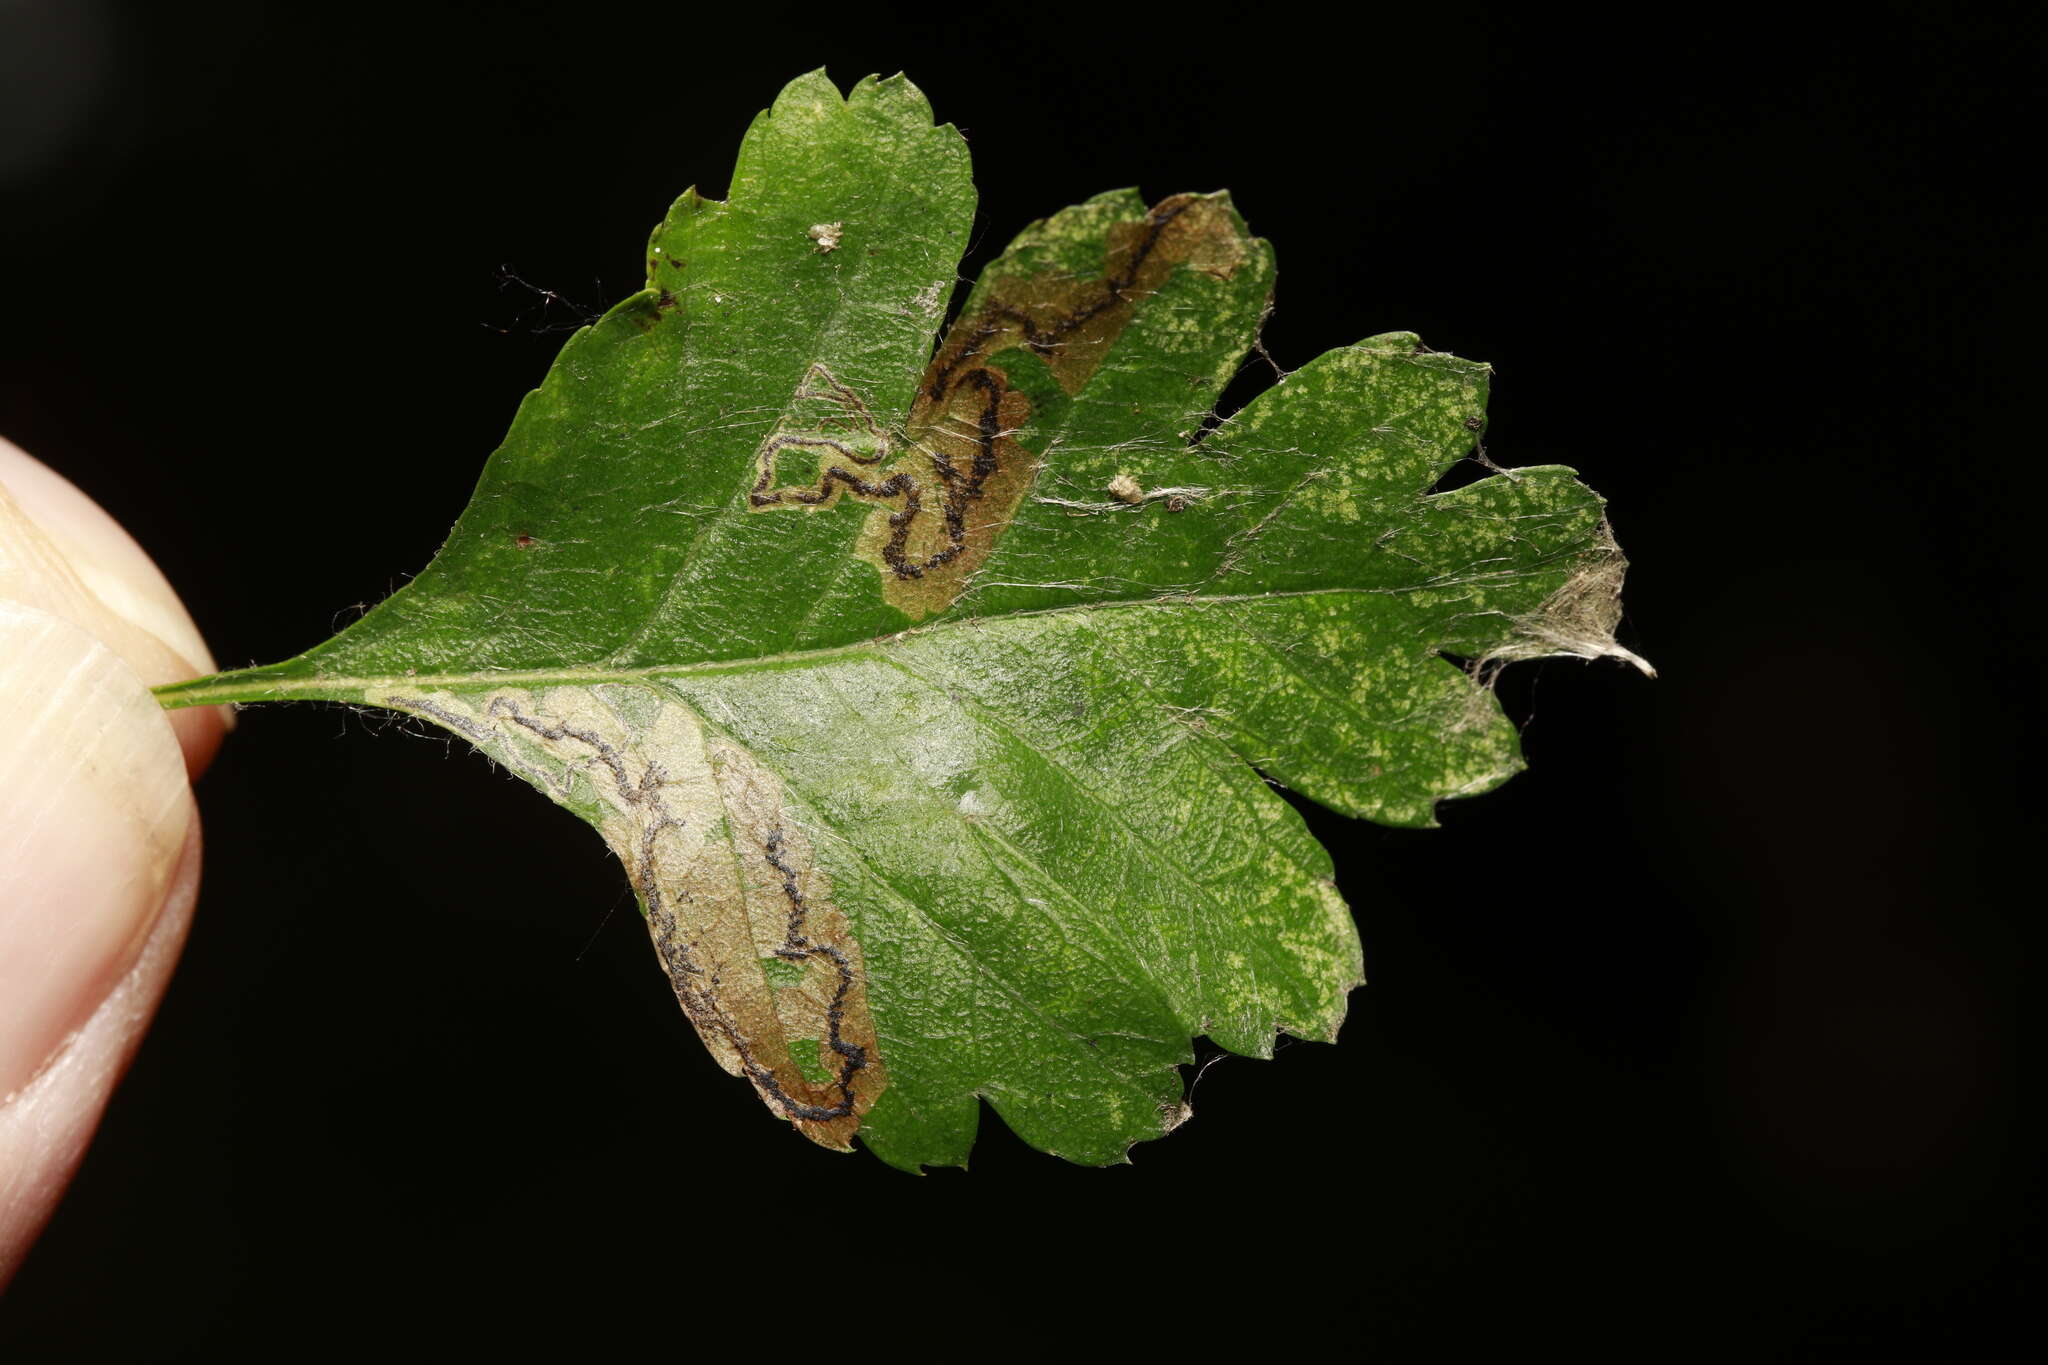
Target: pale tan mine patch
[(726, 879)]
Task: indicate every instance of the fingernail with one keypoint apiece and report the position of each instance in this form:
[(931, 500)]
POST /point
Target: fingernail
[(106, 559), (94, 809), (61, 554)]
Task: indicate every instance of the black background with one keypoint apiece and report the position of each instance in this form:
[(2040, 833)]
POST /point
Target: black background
[(1702, 1031)]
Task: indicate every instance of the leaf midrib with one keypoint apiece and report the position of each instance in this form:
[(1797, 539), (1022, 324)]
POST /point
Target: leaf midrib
[(249, 685)]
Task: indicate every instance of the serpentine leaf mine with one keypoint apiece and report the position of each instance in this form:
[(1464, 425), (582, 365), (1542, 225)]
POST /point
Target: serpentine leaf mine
[(930, 693)]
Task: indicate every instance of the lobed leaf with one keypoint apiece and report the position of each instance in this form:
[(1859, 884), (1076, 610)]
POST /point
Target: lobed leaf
[(929, 695)]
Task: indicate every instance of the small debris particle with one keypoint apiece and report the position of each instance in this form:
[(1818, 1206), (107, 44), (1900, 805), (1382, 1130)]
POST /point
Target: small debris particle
[(826, 235), (1124, 488)]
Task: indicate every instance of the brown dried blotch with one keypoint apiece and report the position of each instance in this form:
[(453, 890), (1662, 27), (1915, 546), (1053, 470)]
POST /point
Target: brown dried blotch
[(941, 505), (790, 917), (964, 514), (1071, 322)]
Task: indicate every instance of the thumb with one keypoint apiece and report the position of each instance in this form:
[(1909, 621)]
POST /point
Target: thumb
[(98, 832)]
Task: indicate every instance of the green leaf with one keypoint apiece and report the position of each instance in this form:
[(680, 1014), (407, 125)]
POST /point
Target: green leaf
[(930, 698)]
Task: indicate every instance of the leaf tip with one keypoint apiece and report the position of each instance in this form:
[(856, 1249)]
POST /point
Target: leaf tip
[(1580, 618)]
